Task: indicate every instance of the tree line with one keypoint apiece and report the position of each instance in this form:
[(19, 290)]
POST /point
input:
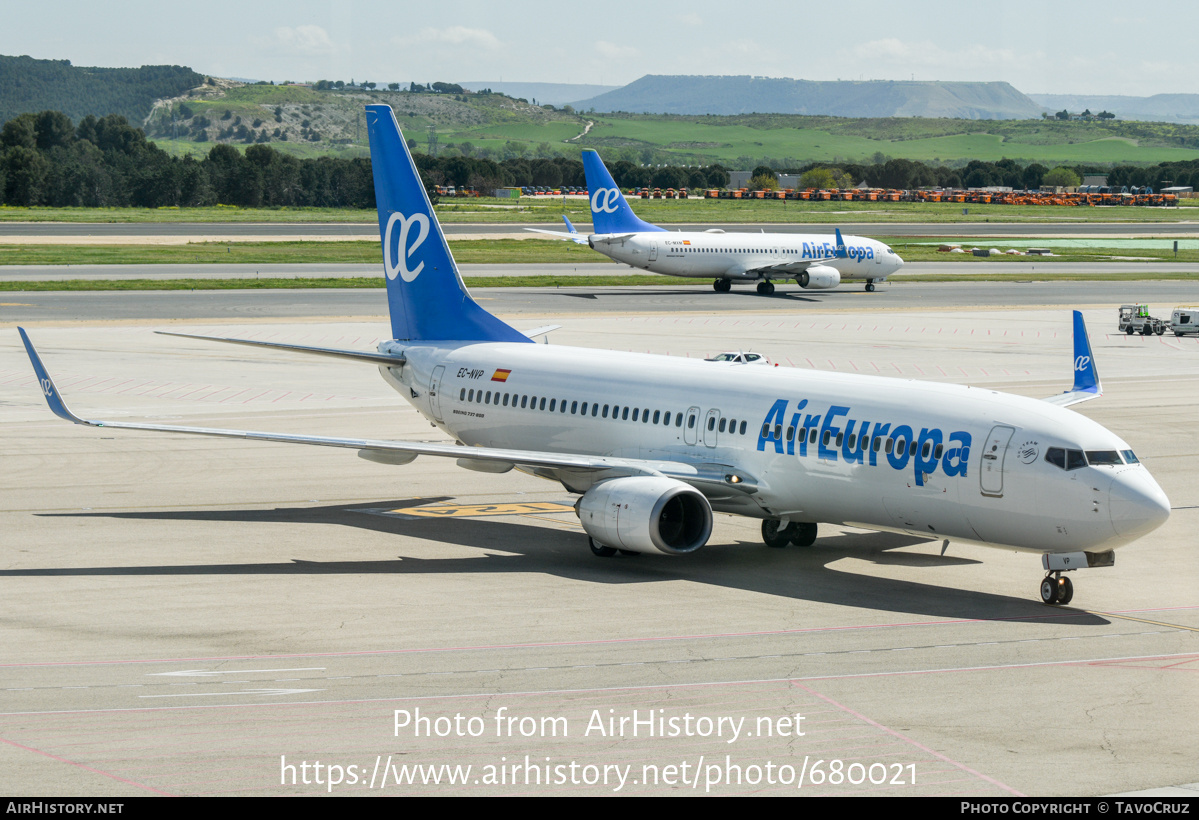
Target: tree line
[(45, 159), (27, 85), (105, 162)]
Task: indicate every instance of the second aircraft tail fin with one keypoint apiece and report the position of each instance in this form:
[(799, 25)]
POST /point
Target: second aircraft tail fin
[(610, 213)]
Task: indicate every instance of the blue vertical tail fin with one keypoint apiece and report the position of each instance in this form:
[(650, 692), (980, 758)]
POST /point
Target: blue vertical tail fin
[(1086, 374), (610, 213), (425, 293)]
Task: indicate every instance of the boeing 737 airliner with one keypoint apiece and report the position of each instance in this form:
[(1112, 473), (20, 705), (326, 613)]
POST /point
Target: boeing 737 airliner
[(654, 444), (811, 260)]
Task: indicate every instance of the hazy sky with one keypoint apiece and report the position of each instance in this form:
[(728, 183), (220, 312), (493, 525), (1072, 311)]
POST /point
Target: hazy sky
[(1094, 47)]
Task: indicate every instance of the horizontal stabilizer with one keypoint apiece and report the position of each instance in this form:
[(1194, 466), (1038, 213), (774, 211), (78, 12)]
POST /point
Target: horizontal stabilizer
[(574, 236), (355, 355)]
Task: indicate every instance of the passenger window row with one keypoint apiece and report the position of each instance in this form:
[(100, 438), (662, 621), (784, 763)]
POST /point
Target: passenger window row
[(664, 418)]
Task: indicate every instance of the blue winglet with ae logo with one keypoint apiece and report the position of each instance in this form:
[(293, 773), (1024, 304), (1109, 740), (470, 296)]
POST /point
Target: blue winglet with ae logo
[(49, 391), (425, 293), (610, 213), (1086, 375)]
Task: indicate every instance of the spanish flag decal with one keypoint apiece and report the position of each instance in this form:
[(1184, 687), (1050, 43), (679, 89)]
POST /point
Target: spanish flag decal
[(501, 376)]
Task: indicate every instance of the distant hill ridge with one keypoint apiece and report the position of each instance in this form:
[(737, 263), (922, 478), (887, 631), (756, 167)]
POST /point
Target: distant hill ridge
[(676, 94), (1180, 108), (544, 93), (29, 86)]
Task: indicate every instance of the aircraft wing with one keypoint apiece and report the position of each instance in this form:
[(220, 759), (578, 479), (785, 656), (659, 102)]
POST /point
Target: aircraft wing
[(788, 269), (712, 479)]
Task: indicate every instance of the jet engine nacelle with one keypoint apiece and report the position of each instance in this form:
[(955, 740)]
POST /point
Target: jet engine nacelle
[(646, 514), (819, 277)]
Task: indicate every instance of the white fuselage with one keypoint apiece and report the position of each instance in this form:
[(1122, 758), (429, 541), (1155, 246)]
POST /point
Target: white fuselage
[(978, 471), (748, 256)]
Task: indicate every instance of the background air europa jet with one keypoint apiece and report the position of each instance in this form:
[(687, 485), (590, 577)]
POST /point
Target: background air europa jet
[(811, 260), (791, 447)]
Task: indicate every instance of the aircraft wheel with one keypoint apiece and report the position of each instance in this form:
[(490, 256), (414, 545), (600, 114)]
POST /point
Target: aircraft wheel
[(775, 535), (599, 549), (765, 287), (804, 535), (870, 287), (1049, 590), (1065, 591)]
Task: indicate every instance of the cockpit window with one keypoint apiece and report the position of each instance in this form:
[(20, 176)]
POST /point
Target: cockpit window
[(1130, 457), (1065, 459), (1103, 457)]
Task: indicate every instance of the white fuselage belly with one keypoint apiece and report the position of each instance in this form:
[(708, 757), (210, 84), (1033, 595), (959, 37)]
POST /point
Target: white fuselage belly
[(747, 255), (1018, 501)]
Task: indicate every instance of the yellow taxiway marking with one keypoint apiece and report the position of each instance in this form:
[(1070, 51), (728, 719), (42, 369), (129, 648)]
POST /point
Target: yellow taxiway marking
[(465, 510)]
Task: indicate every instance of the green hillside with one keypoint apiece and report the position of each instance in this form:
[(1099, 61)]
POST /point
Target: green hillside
[(28, 86), (306, 122)]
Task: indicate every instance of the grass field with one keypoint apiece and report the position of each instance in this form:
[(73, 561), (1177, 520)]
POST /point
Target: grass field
[(730, 141), (488, 251), (668, 212), (359, 283)]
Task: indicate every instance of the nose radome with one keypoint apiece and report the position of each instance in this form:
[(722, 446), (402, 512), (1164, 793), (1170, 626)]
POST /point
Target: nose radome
[(1138, 506)]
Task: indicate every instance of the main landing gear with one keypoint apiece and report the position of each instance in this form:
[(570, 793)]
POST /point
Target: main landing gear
[(1056, 589), (765, 287), (722, 285), (603, 551), (775, 535)]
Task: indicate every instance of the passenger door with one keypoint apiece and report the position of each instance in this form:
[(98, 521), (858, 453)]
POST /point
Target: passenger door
[(435, 389), (710, 422), (990, 473), (691, 426)]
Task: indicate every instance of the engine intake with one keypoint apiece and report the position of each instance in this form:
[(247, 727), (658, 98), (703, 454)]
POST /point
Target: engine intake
[(646, 514), (819, 277)]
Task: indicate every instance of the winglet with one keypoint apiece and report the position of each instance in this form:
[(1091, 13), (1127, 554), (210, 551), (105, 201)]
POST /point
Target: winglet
[(57, 405), (569, 227), (841, 252)]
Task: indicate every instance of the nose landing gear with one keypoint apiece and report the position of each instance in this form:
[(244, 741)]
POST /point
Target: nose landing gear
[(1056, 589)]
